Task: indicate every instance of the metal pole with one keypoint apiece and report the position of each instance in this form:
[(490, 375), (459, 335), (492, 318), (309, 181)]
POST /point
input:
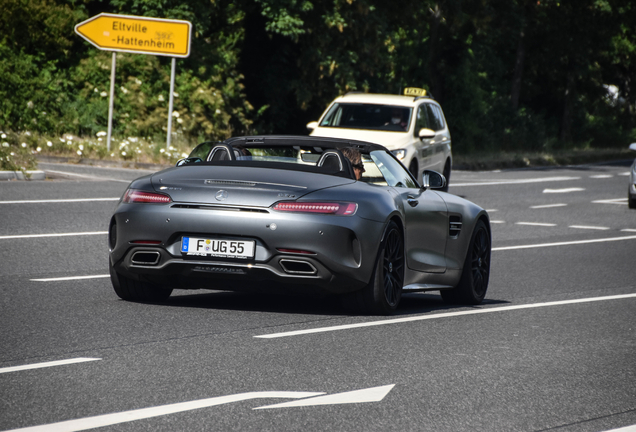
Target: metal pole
[(111, 100), (174, 62)]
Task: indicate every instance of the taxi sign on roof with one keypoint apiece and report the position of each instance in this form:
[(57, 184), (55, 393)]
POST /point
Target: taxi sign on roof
[(414, 91), (141, 35)]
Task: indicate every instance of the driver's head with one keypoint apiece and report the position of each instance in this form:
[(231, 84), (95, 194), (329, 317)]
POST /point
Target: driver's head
[(354, 156)]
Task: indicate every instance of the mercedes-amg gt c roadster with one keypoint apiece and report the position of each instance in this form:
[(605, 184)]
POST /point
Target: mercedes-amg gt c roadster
[(294, 214)]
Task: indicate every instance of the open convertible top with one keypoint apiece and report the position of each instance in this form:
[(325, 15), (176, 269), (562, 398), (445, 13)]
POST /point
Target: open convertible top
[(299, 153)]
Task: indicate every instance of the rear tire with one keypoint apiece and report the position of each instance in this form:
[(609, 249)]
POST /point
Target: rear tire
[(473, 284), (138, 291), (631, 202), (382, 295)]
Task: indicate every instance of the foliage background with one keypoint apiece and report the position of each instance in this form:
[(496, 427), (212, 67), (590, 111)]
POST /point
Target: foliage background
[(512, 75)]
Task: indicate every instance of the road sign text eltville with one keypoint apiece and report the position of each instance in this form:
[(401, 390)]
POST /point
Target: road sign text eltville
[(141, 35)]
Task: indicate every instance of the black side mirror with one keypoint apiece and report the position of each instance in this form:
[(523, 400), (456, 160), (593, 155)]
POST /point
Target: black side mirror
[(188, 160), (433, 180)]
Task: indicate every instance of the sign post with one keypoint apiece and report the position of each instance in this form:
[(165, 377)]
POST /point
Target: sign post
[(138, 35)]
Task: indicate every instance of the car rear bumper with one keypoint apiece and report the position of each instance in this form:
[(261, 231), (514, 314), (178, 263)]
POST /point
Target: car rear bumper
[(332, 253)]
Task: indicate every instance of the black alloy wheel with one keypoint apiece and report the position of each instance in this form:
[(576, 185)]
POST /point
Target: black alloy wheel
[(393, 267), (473, 284), (383, 293)]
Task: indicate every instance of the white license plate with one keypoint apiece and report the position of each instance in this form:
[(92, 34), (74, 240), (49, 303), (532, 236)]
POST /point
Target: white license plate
[(218, 248)]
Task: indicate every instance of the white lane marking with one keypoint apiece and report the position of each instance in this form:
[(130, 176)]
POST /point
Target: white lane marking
[(601, 176), (620, 201), (374, 394), (87, 176), (52, 235), (566, 190), (443, 315), (144, 413), (589, 227), (70, 278), (492, 210), (631, 428), (624, 174), (575, 242), (47, 364), (629, 230), (547, 206), (521, 181), (536, 224), (497, 222), (59, 200)]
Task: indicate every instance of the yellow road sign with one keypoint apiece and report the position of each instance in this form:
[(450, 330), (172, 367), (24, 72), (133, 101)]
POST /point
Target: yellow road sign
[(141, 35)]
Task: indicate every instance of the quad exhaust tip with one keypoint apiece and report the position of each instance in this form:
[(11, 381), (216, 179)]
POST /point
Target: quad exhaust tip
[(298, 267)]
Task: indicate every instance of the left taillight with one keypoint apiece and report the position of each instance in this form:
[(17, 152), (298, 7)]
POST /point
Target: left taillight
[(332, 208), (138, 196)]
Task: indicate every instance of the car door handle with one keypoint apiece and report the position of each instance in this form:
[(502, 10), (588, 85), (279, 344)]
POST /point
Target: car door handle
[(412, 201)]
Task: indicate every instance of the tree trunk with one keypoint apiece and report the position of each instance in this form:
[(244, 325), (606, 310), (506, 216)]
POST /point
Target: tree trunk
[(433, 57), (518, 73), (566, 121)]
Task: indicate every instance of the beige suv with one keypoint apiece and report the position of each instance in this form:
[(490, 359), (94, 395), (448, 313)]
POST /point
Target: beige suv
[(412, 126)]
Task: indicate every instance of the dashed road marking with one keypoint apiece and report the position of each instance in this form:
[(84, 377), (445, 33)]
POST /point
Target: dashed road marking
[(536, 224), (74, 200), (570, 243), (566, 190), (69, 278), (442, 315), (601, 176), (547, 206), (510, 182), (47, 364), (589, 227), (619, 201), (27, 236)]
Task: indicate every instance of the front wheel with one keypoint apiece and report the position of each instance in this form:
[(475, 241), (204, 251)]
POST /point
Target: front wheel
[(133, 290), (473, 284), (384, 291)]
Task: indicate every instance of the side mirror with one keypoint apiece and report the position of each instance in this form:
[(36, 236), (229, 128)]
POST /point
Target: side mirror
[(426, 133), (632, 146), (188, 160), (312, 125), (433, 180)]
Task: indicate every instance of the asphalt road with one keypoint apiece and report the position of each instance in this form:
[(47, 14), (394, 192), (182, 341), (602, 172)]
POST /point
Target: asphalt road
[(553, 347)]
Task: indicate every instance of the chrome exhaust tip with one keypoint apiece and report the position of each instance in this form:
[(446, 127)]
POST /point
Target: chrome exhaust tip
[(146, 258), (297, 267)]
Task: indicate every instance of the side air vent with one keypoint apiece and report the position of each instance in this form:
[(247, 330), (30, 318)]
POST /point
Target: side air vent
[(455, 226)]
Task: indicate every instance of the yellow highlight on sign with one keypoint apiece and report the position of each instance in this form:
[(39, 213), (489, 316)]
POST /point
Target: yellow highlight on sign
[(142, 35), (414, 91)]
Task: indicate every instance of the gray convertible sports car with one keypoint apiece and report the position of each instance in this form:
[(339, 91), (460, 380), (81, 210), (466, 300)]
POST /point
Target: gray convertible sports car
[(297, 213)]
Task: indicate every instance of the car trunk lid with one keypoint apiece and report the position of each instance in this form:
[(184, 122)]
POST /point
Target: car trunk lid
[(242, 186)]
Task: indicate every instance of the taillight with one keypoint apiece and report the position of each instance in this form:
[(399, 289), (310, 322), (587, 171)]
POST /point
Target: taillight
[(137, 196), (342, 209)]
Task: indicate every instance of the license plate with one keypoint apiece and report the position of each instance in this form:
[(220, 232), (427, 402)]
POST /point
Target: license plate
[(242, 249)]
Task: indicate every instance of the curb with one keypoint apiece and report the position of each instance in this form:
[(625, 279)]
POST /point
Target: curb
[(102, 162), (18, 175)]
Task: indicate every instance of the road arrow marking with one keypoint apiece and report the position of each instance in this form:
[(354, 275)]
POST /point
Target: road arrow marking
[(374, 394), (144, 413)]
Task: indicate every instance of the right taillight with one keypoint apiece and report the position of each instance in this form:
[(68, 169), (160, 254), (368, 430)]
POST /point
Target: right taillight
[(332, 208)]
